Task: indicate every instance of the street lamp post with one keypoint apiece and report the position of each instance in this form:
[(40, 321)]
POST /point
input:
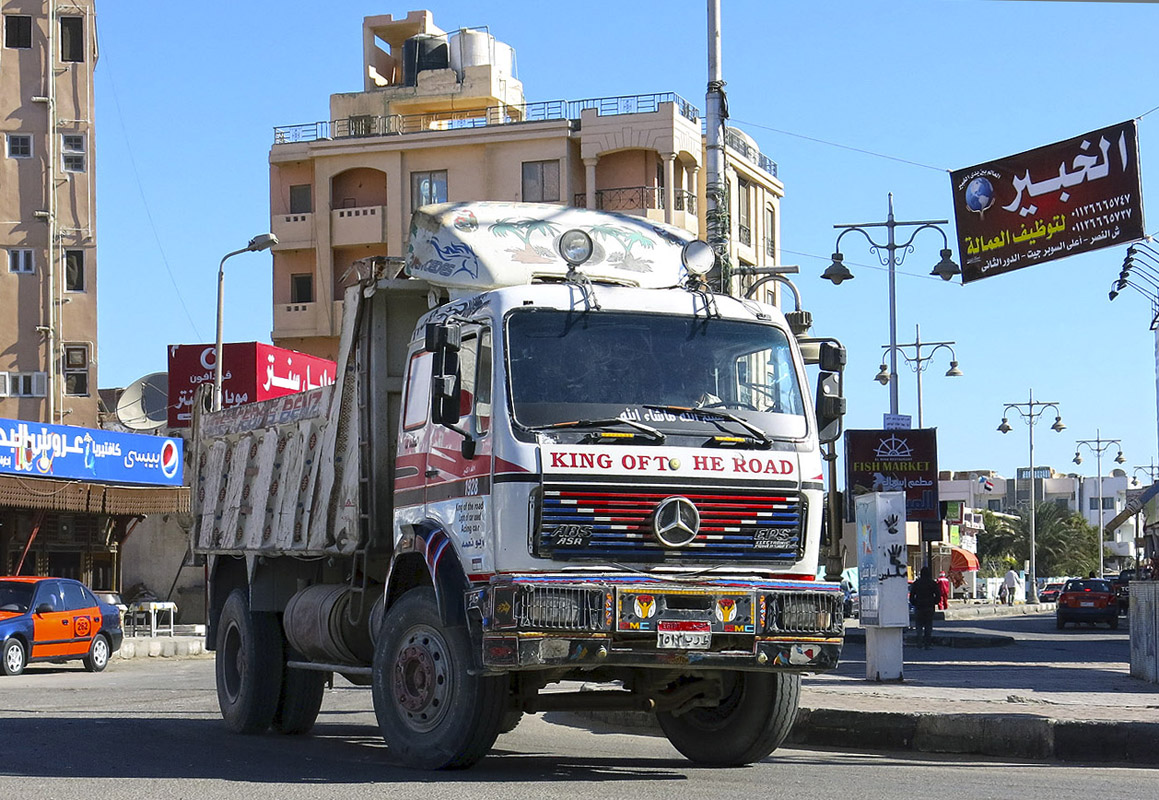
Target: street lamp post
[(918, 363), (1033, 410), (1098, 446), (838, 272), (262, 241), (1151, 470)]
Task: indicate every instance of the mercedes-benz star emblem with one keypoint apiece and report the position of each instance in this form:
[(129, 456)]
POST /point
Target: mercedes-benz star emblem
[(675, 521)]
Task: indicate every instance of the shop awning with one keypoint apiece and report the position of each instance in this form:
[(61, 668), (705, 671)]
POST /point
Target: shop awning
[(962, 560), (19, 491)]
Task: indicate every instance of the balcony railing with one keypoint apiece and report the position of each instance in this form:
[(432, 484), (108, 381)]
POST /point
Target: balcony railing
[(738, 143), (395, 124), (633, 198), (770, 247), (744, 234)]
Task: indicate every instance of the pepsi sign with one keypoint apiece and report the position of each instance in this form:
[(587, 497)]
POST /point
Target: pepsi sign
[(67, 452)]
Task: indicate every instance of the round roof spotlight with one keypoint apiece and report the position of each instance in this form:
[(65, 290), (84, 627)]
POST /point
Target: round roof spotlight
[(576, 247), (699, 258)]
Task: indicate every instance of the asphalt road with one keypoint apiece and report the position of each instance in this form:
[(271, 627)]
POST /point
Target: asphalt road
[(149, 728)]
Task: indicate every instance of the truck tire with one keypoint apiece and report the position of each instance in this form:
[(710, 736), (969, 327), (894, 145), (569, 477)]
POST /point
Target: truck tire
[(248, 665), (300, 701), (754, 716), (433, 713)]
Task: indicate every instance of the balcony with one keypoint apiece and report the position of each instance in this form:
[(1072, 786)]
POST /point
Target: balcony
[(739, 144), (307, 319), (637, 198), (745, 234), (359, 225), (294, 231), (366, 125)]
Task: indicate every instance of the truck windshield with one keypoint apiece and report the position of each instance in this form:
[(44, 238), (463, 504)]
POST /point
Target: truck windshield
[(566, 366)]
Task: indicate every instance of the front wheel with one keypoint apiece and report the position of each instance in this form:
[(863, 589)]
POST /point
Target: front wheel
[(754, 717), (14, 657), (432, 711), (98, 657)]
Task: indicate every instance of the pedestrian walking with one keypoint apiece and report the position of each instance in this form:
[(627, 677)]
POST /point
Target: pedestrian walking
[(943, 591), (1010, 582), (924, 596)]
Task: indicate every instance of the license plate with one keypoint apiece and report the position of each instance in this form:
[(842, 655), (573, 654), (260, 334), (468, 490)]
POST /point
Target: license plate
[(683, 635), (683, 640), (1089, 604)]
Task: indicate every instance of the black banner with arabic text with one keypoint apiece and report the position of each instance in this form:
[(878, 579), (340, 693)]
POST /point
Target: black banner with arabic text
[(894, 461), (1055, 201)]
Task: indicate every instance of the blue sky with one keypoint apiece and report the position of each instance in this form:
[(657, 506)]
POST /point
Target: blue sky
[(188, 95)]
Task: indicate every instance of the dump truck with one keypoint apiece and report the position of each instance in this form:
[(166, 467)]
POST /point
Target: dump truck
[(551, 455)]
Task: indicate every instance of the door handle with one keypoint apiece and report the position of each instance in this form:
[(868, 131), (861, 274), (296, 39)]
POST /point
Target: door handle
[(64, 621)]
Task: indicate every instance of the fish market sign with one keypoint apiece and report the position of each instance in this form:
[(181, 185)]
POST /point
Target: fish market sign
[(894, 461), (1055, 201), (71, 453)]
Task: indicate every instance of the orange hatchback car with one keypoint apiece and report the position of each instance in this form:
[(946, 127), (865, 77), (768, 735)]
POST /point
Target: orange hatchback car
[(55, 619)]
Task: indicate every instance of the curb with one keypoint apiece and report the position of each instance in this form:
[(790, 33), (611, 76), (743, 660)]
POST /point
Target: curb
[(175, 647), (1010, 736)]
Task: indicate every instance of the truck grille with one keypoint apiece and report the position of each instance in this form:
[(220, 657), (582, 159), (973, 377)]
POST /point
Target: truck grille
[(615, 522)]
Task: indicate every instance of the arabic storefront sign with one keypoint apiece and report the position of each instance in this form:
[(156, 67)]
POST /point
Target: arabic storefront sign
[(88, 454), (1059, 200), (251, 371), (895, 461)]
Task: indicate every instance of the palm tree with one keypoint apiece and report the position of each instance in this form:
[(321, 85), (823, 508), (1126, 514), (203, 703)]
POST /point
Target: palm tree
[(1064, 542)]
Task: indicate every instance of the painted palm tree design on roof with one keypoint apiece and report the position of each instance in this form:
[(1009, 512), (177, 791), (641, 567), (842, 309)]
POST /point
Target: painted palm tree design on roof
[(627, 239), (524, 230)]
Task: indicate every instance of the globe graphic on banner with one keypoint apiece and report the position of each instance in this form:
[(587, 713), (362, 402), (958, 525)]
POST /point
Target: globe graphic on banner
[(979, 195)]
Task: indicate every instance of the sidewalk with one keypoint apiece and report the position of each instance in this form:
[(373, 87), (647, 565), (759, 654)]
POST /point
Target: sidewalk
[(976, 692)]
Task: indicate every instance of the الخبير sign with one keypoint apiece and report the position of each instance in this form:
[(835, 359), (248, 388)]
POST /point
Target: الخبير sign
[(1055, 201)]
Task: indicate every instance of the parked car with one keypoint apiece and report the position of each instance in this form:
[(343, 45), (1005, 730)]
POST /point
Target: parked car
[(55, 619), (1087, 600), (1122, 586), (1049, 594)]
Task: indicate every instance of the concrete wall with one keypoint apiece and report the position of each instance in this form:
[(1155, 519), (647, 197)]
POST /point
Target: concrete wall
[(153, 555)]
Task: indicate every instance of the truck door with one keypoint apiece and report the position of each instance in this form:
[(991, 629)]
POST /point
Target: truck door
[(410, 469)]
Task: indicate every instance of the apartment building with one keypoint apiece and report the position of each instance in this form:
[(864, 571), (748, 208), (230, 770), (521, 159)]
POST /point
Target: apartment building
[(442, 117), (48, 282)]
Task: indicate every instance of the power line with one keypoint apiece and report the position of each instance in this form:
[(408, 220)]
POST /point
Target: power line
[(842, 146), (141, 190)]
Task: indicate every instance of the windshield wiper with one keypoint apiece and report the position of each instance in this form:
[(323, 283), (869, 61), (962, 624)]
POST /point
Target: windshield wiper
[(651, 433), (757, 433)]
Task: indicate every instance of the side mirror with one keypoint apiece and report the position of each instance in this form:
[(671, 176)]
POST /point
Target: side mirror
[(444, 341), (45, 608), (831, 357), (830, 406)]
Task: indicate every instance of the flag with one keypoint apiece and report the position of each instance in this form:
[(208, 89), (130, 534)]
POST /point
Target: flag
[(985, 484)]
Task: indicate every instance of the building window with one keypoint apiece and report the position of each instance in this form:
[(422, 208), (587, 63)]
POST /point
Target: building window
[(72, 152), (17, 31), (427, 188), (994, 505), (21, 261), (301, 199), (27, 384), (72, 39), (770, 232), (744, 220), (76, 370), (302, 288), (74, 270), (541, 181), (19, 145)]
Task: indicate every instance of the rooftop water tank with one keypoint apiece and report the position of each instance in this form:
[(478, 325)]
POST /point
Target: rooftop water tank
[(470, 47), (423, 52)]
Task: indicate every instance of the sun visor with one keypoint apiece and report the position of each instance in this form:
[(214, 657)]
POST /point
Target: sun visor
[(470, 247)]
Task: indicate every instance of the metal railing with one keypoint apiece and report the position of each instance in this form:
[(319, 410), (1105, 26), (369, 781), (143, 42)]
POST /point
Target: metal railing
[(386, 125), (770, 247), (744, 234), (737, 142), (629, 198)]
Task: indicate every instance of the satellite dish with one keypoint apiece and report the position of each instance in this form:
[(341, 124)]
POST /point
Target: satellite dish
[(144, 404)]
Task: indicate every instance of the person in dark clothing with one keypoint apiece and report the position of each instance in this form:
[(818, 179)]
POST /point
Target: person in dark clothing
[(924, 596)]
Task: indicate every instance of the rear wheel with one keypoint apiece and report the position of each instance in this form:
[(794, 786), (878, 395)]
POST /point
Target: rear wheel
[(1059, 623), (754, 717), (1114, 623), (14, 657), (98, 657), (432, 711), (248, 665), (300, 700)]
